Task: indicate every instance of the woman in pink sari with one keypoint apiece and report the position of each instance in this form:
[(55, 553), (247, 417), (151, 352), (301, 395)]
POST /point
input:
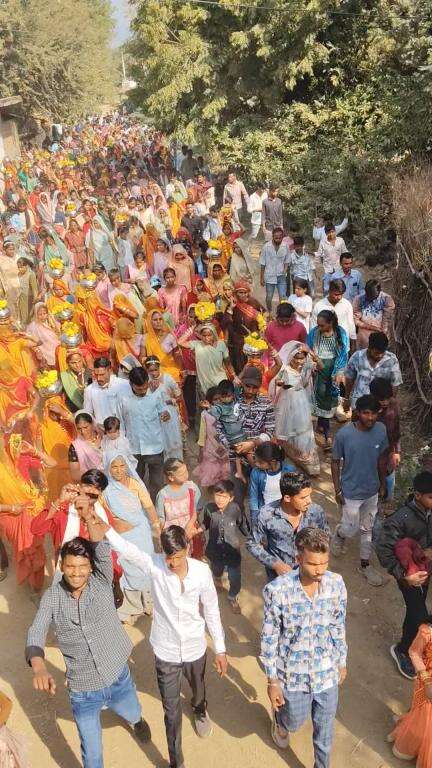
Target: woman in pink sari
[(43, 328), (183, 265), (85, 452), (75, 243)]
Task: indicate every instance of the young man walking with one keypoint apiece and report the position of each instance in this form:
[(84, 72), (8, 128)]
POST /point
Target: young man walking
[(413, 520), (274, 261), (362, 447), (94, 645), (303, 647), (279, 522), (185, 601)]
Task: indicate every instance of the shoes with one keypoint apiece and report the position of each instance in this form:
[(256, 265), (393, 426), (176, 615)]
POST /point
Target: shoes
[(235, 607), (203, 725), (338, 545), (403, 663), (279, 735), (372, 576), (142, 731)]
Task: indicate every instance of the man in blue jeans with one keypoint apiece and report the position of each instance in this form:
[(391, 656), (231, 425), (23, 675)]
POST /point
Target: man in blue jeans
[(94, 644), (303, 647), (274, 261)]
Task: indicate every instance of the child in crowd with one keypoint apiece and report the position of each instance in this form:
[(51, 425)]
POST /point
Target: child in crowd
[(301, 263), (114, 443), (221, 518), (264, 483), (214, 460), (177, 503), (412, 736), (301, 301), (227, 413), (173, 297), (12, 750)]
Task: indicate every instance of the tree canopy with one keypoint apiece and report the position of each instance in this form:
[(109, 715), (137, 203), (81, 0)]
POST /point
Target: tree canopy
[(56, 55), (326, 96)]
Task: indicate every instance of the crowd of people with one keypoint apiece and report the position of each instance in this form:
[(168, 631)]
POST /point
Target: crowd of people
[(132, 333)]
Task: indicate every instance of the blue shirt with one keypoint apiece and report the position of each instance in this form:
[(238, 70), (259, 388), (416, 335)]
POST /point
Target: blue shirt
[(360, 450), (275, 530), (303, 639), (354, 282), (141, 419)]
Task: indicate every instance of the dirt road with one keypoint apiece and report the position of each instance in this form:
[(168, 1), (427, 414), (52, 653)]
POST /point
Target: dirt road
[(237, 704)]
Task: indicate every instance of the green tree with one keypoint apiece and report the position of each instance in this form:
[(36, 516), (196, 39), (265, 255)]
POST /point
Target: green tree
[(56, 55)]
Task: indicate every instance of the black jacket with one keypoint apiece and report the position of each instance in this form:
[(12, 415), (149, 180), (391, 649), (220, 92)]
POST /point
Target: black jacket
[(409, 521)]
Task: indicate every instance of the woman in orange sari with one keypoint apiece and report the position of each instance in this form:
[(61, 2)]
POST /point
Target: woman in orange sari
[(20, 501), (97, 321), (160, 342), (128, 342), (17, 372), (56, 432), (149, 246)]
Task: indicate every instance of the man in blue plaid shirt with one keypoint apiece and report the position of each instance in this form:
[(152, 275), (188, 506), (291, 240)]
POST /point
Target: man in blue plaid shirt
[(303, 647)]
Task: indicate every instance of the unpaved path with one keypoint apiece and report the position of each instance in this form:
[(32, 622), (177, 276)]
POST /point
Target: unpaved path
[(238, 704)]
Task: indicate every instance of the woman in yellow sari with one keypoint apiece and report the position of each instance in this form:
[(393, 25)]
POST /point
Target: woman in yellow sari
[(17, 372), (160, 342), (96, 321), (149, 245), (59, 293), (57, 432), (175, 212)]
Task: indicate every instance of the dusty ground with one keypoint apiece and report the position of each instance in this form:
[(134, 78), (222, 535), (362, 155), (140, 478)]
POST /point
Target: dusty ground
[(238, 703)]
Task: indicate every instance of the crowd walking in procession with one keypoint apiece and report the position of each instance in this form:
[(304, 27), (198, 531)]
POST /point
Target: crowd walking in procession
[(178, 364)]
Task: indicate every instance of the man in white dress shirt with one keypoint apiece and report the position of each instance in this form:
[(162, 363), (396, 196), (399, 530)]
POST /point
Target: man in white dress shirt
[(184, 602), (102, 396)]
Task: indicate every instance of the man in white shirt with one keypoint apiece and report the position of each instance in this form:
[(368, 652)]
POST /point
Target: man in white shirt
[(254, 207), (330, 250), (237, 190), (184, 602), (102, 396), (318, 230), (336, 303)]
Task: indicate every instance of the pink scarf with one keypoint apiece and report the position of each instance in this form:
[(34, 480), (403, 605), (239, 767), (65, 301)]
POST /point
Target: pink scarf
[(89, 457)]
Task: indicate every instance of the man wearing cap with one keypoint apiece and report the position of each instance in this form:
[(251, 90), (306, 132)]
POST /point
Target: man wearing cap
[(256, 413)]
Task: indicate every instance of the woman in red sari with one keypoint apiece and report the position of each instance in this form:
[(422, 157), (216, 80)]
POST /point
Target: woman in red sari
[(245, 320)]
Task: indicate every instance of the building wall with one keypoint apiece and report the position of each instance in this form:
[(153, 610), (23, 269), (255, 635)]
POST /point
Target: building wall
[(9, 139)]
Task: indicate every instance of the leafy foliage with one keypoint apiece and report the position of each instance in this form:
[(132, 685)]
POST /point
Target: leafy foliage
[(327, 96), (56, 55)]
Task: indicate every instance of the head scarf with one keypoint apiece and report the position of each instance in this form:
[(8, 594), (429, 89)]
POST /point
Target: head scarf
[(89, 455), (125, 504)]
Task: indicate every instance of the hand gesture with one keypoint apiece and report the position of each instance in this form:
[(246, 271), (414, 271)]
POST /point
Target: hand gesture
[(69, 493), (281, 568)]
